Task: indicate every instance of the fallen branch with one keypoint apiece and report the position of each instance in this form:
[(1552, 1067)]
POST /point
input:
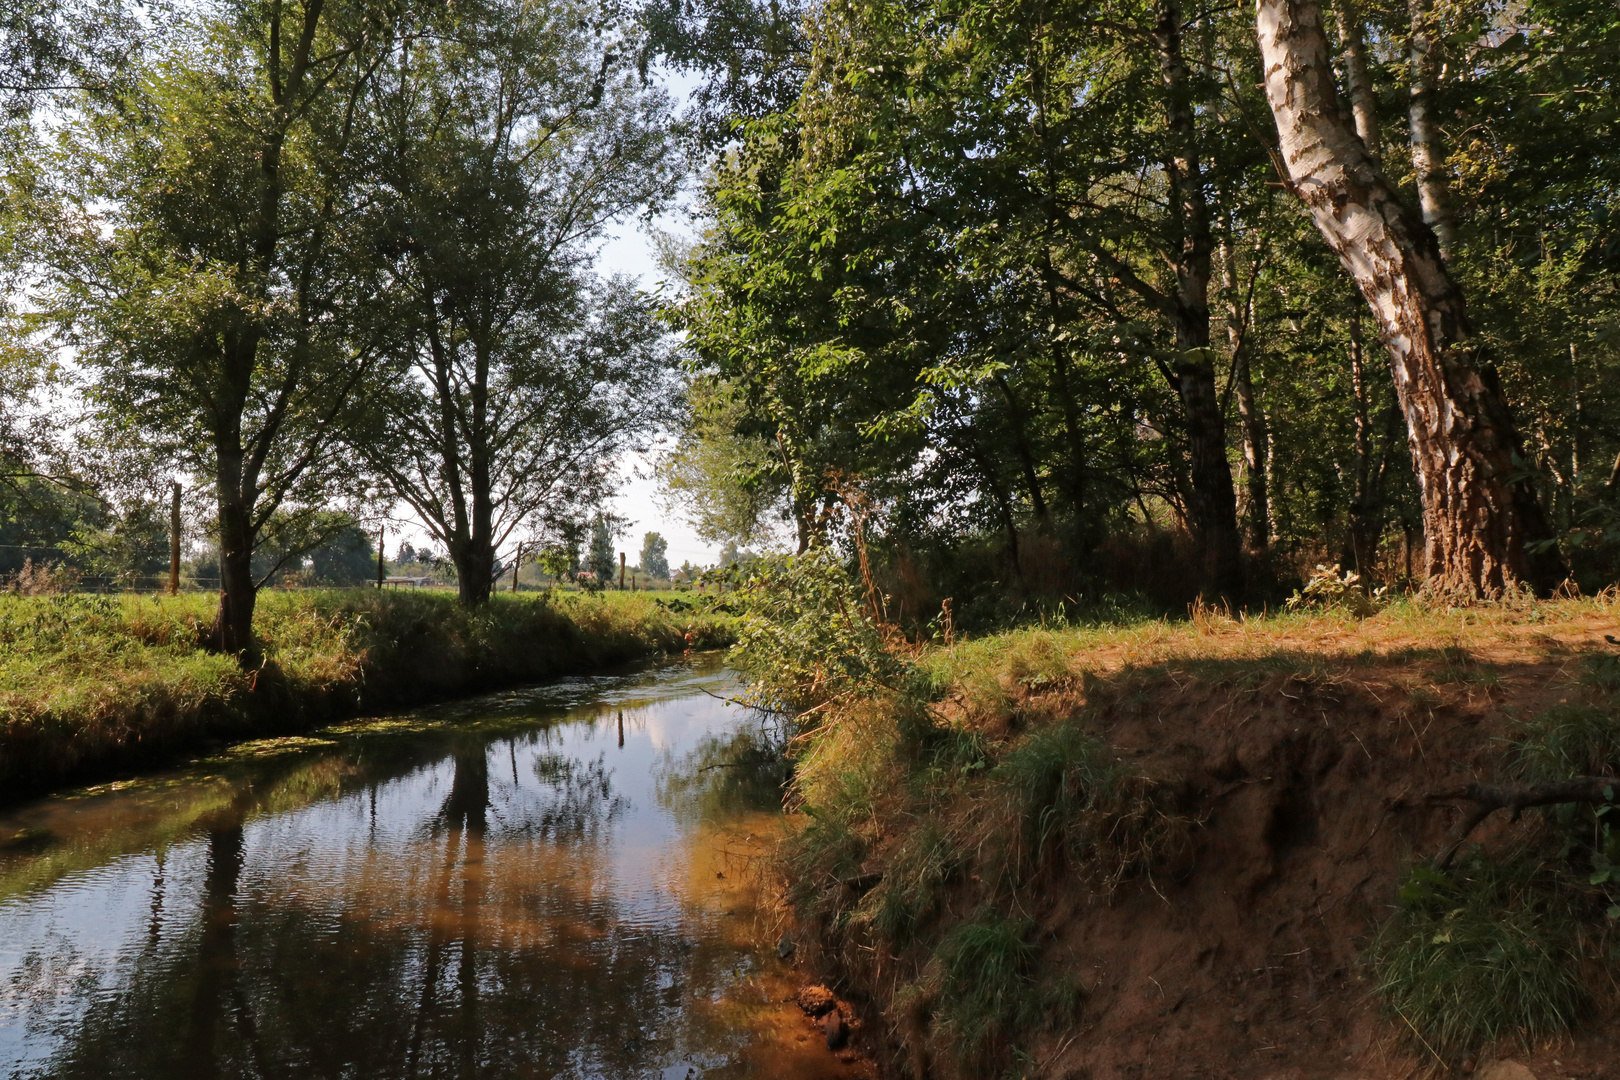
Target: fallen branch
[(1488, 798)]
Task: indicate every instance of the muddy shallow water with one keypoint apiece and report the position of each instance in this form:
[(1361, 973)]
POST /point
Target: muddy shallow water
[(554, 882)]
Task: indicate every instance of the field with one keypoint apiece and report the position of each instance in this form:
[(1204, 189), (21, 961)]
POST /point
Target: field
[(89, 683)]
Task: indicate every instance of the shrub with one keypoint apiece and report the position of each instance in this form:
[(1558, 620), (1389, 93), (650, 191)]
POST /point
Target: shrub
[(804, 639)]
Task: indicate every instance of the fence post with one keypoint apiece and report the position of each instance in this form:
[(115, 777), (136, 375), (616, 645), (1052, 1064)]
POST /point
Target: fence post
[(382, 530), (174, 541)]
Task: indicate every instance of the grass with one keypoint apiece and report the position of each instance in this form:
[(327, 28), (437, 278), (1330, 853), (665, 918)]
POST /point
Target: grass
[(92, 682), (1485, 953)]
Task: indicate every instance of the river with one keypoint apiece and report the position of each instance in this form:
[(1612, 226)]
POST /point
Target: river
[(559, 881)]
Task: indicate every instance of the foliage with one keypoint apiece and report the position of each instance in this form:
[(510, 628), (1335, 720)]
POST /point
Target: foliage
[(1331, 587), (654, 558), (805, 639), (603, 558)]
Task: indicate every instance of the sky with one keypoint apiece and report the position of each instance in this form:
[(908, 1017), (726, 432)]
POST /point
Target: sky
[(629, 250)]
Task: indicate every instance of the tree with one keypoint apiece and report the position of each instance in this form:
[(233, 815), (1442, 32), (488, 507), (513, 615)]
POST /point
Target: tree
[(519, 379), (603, 559), (213, 262), (655, 556), (348, 559), (1484, 526)]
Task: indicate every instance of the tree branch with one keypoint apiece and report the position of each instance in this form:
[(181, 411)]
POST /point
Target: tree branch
[(1488, 799)]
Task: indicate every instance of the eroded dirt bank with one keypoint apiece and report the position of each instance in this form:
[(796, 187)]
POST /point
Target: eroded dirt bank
[(1212, 912)]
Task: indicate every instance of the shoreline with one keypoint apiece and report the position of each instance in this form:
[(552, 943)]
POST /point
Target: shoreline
[(102, 687)]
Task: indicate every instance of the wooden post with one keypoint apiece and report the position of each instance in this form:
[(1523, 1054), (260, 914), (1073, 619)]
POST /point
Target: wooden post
[(517, 561), (382, 530), (621, 571), (174, 541)]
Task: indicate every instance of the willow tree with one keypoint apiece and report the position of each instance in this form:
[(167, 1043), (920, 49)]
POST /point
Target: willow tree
[(521, 380), (1485, 530)]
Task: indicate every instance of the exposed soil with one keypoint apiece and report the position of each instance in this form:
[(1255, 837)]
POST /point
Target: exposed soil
[(1243, 956)]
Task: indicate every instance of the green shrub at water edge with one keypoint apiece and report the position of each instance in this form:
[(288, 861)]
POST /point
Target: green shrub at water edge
[(805, 639)]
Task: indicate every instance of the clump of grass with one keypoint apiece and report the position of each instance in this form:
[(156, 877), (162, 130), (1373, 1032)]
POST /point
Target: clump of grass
[(986, 989), (1569, 740), (1483, 953), (1073, 801), (1056, 777), (912, 891)]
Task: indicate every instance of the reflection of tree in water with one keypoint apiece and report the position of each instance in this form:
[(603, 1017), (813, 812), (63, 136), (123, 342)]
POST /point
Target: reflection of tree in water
[(580, 802), (491, 945), (727, 774)]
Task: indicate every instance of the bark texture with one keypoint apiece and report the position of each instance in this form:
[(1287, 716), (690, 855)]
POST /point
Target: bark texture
[(1483, 523)]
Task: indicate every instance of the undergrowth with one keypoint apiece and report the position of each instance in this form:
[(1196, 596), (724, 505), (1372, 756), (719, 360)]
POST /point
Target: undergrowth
[(95, 681), (1488, 951), (1503, 947)]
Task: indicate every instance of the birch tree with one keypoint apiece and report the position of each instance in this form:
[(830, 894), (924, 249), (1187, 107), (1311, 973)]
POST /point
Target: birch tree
[(1484, 527)]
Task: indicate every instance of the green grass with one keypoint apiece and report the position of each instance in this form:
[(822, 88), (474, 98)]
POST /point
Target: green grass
[(1484, 953), (91, 682)]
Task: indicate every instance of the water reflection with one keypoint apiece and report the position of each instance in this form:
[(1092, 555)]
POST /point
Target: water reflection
[(546, 886)]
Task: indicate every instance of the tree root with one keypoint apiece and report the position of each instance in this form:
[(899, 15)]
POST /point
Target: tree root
[(1488, 799)]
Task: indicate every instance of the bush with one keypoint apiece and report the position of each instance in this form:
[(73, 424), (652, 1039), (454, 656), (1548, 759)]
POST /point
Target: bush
[(804, 639)]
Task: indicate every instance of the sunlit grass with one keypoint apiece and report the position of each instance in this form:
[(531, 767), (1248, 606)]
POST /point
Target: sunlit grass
[(88, 678)]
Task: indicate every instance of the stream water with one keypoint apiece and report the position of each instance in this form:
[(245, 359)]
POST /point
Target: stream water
[(551, 882)]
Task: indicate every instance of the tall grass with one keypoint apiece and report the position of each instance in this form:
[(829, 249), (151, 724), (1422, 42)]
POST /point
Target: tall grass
[(94, 681)]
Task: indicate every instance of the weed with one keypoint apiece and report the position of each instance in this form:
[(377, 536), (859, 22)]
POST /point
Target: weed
[(1483, 953)]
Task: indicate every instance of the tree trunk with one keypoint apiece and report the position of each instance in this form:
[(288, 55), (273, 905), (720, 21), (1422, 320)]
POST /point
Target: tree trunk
[(475, 570), (1075, 480), (1363, 102), (1428, 146), (1251, 417), (1480, 518), (1212, 505), (1366, 517), (238, 591), (1026, 459)]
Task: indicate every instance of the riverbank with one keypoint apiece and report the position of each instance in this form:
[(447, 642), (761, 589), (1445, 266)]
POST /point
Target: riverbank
[(92, 684), (1209, 848)]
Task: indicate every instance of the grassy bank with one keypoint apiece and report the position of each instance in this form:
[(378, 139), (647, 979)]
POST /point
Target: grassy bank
[(1205, 847), (94, 682)]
